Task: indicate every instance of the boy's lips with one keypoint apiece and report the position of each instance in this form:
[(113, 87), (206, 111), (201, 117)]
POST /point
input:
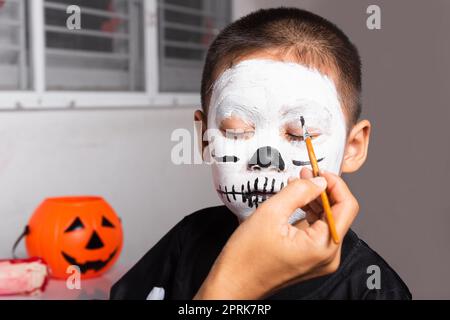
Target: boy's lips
[(260, 193), (250, 192)]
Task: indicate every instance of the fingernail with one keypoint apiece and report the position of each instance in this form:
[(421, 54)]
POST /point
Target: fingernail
[(320, 182)]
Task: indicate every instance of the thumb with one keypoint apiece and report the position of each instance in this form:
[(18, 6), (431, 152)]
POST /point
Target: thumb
[(296, 194)]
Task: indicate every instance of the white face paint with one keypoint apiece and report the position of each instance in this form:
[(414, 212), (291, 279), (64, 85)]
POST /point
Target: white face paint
[(270, 96)]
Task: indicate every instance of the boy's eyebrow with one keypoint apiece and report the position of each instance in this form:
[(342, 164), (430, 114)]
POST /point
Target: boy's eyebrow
[(229, 106), (296, 109), (308, 109)]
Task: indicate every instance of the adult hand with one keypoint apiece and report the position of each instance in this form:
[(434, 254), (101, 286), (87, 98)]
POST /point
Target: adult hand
[(266, 253)]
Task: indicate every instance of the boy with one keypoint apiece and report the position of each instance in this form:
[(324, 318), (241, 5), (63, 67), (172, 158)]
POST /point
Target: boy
[(261, 74)]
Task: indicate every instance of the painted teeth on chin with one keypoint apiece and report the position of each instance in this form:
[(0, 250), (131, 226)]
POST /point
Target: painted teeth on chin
[(265, 184), (226, 192), (251, 198)]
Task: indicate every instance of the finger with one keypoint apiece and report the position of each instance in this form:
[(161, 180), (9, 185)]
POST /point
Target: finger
[(320, 232), (306, 173), (291, 179), (301, 224), (295, 195), (337, 189), (316, 205), (345, 207)]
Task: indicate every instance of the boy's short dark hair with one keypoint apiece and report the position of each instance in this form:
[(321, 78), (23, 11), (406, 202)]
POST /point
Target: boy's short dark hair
[(313, 40)]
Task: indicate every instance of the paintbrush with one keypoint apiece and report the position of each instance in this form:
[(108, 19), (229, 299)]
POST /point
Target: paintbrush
[(315, 170)]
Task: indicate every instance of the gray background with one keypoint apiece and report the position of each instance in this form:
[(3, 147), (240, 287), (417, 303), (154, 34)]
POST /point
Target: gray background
[(124, 155)]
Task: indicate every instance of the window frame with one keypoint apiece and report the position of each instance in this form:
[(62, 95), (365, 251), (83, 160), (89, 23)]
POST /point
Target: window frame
[(39, 98)]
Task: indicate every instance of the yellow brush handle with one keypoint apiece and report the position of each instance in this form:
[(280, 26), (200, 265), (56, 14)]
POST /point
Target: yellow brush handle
[(323, 195), (312, 157), (329, 215)]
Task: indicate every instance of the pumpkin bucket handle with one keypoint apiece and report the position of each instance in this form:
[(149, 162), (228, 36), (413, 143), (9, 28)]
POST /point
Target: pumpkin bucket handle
[(24, 233)]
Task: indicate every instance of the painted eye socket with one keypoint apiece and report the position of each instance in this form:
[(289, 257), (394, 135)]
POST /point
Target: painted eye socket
[(294, 137), (298, 138), (236, 129), (76, 225), (294, 133), (238, 134), (107, 223)]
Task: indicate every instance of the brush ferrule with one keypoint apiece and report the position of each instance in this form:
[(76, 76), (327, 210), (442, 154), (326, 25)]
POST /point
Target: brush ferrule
[(306, 134)]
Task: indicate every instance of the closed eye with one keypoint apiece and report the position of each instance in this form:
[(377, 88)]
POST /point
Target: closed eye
[(238, 134), (298, 138), (294, 137), (293, 132), (236, 128)]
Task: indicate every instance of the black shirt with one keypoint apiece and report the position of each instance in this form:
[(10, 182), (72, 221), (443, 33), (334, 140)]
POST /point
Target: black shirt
[(181, 260)]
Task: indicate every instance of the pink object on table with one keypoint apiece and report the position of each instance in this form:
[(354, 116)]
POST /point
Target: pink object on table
[(23, 276)]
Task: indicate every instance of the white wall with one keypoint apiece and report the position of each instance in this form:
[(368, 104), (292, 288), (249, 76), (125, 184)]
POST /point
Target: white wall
[(123, 155)]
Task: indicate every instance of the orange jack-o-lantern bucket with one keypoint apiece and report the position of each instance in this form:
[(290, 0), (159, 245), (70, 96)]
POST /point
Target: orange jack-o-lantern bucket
[(83, 231)]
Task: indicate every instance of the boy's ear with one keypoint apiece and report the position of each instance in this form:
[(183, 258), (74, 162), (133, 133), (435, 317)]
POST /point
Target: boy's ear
[(199, 116), (356, 148)]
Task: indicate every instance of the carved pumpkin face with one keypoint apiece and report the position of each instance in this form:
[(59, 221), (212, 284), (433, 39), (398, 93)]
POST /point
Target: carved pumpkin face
[(81, 231)]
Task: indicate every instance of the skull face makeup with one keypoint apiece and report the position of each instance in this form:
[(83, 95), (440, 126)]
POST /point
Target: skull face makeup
[(255, 135)]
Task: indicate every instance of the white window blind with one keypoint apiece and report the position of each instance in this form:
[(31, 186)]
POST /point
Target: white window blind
[(186, 29), (106, 54), (14, 73), (128, 53)]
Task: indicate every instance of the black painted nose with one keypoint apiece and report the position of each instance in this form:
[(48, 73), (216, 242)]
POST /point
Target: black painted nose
[(94, 242), (266, 157)]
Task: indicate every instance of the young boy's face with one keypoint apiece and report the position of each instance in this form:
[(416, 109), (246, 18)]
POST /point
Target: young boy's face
[(255, 134)]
